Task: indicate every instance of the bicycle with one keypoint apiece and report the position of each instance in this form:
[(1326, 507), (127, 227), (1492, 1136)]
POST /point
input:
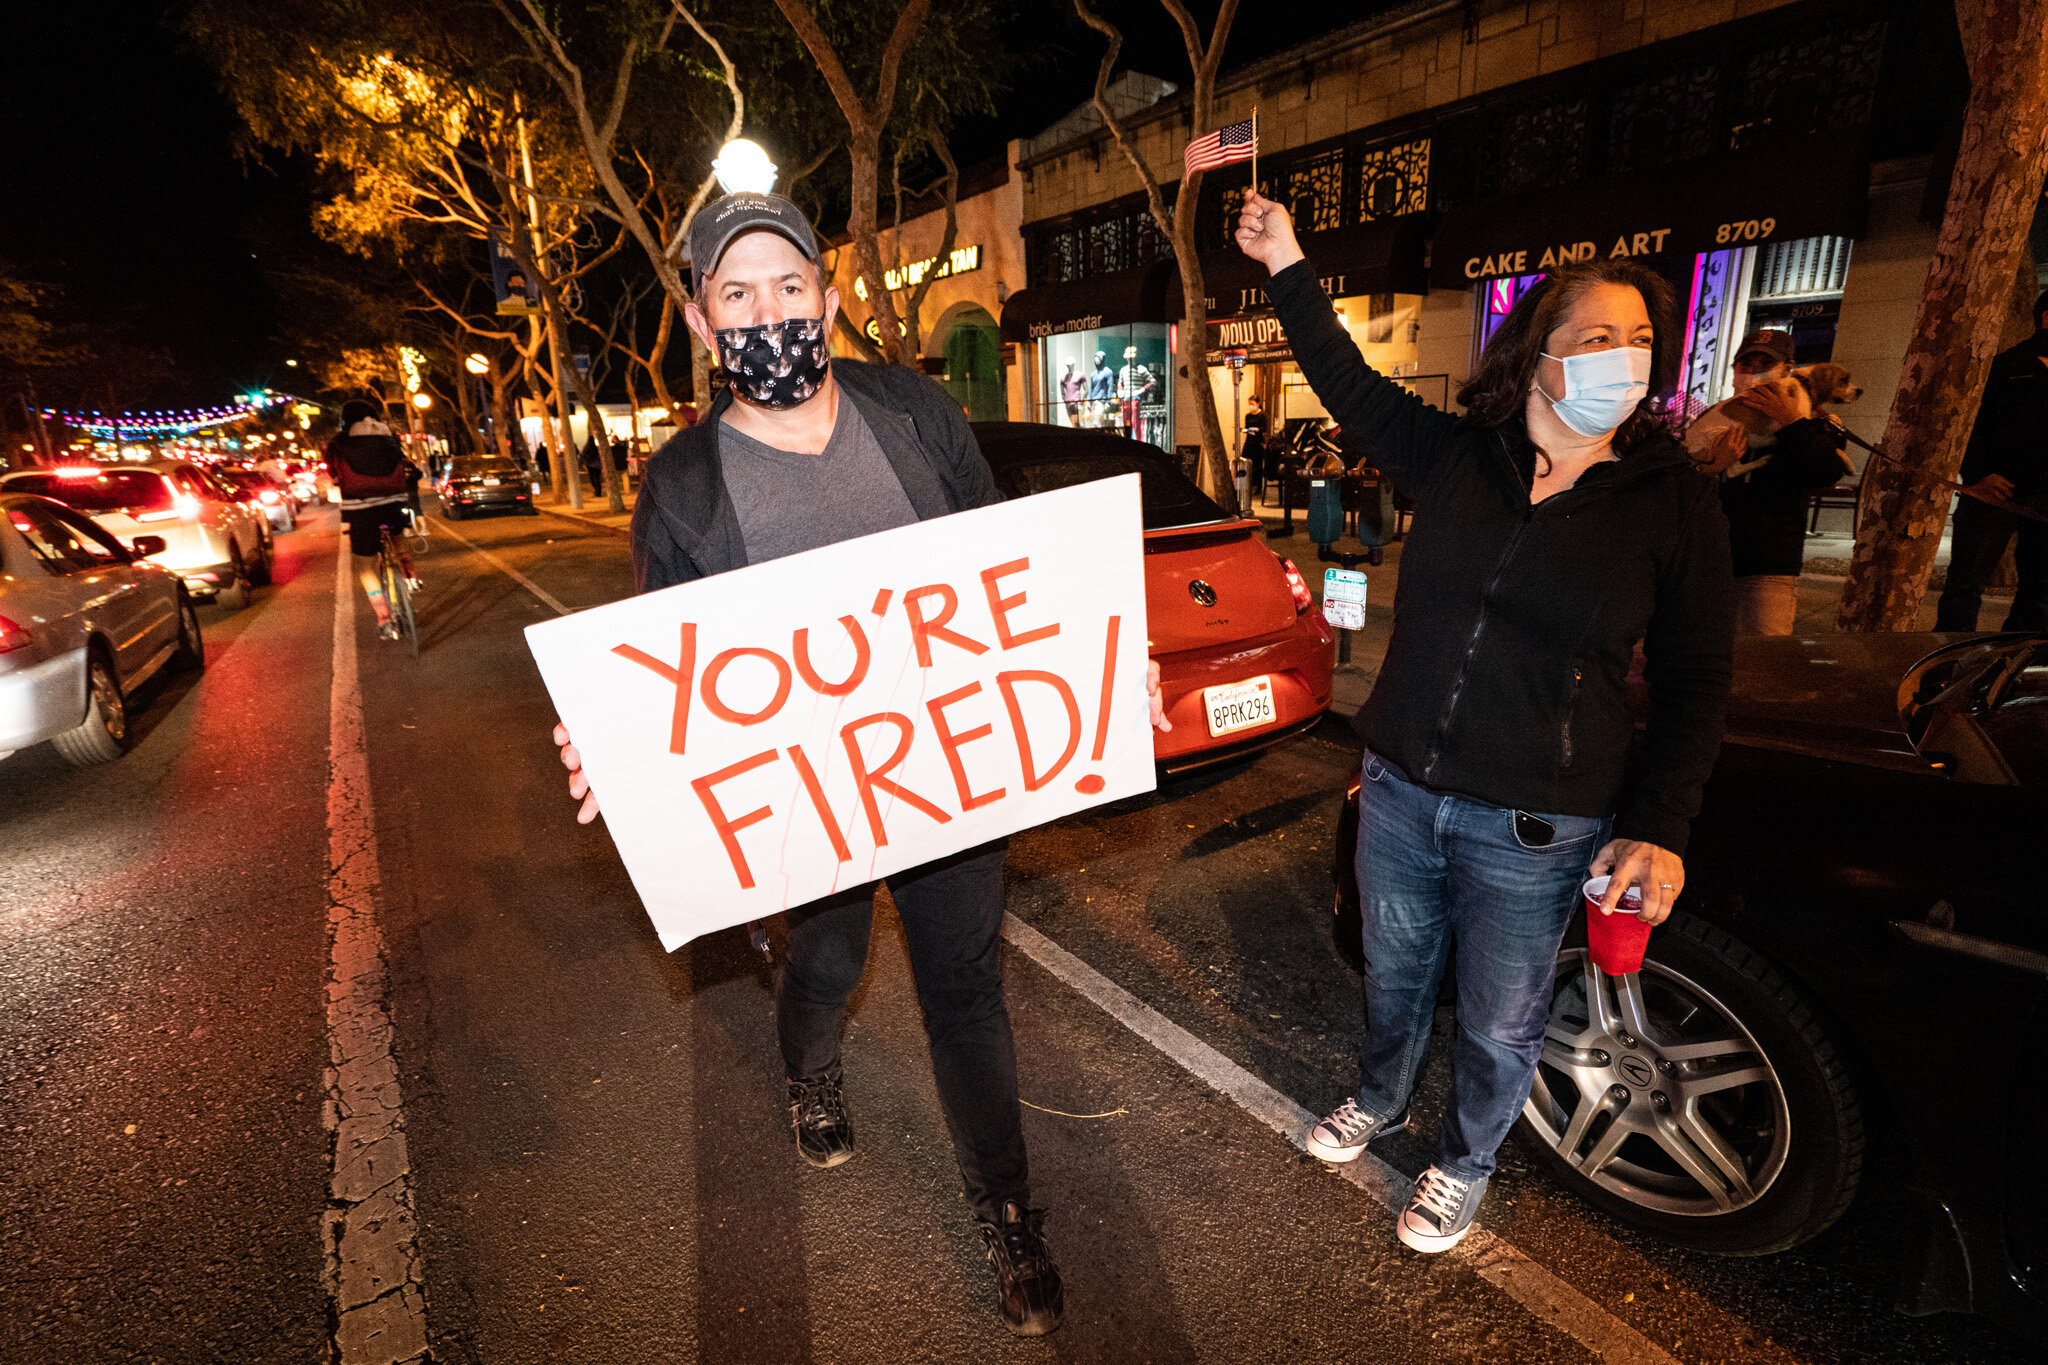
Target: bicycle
[(394, 574)]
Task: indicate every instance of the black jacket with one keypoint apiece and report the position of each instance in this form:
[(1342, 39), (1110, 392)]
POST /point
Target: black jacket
[(2011, 433), (1514, 625), (1767, 507), (684, 526)]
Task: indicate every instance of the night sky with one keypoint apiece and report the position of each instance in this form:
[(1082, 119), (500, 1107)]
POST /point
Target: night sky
[(125, 191)]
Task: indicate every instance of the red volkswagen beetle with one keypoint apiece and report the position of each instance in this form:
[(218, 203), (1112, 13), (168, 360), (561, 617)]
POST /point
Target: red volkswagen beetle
[(1244, 660)]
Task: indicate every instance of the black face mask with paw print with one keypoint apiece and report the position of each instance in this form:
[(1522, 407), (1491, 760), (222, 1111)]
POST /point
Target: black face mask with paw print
[(777, 364)]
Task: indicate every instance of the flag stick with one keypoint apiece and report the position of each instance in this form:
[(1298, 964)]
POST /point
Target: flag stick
[(1255, 149)]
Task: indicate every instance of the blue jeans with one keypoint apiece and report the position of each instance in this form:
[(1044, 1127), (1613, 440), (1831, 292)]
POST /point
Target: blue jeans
[(1434, 869)]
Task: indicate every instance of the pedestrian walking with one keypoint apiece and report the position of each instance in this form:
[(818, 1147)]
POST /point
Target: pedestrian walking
[(2007, 459), (1556, 524), (1254, 449), (1765, 489), (800, 451)]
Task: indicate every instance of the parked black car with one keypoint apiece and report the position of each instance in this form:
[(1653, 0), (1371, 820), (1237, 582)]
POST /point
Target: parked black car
[(1864, 926), (479, 483)]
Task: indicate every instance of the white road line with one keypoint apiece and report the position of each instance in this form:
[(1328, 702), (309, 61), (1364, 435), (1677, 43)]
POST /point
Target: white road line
[(521, 579), (1499, 1264), (374, 1275)]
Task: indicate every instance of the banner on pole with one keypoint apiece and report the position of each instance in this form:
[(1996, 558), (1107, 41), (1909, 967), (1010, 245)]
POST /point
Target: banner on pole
[(518, 296), (766, 737)]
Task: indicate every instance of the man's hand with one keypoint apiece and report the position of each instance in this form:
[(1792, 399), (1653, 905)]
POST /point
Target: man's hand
[(1156, 703), (1631, 862), (579, 785), (1993, 486), (1266, 234), (1781, 401)]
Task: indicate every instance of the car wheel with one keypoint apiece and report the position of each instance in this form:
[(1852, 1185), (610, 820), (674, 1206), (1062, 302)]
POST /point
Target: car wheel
[(103, 737), (1698, 1099), (260, 575), (191, 655), (234, 595), (451, 511)]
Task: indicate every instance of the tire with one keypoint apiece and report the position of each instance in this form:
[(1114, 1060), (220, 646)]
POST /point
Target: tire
[(451, 511), (103, 736), (191, 654), (1791, 1128), (260, 575), (234, 595)]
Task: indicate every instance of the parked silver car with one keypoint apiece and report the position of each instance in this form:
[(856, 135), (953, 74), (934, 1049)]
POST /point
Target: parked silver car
[(216, 543), (84, 620)]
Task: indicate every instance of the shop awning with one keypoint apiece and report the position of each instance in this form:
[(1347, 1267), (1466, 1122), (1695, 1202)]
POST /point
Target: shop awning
[(1803, 187), (1136, 295), (1372, 258)]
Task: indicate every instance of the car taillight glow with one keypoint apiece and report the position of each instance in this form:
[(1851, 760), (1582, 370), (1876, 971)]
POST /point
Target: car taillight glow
[(78, 472), (187, 505), (12, 637), (270, 496), (1296, 584)]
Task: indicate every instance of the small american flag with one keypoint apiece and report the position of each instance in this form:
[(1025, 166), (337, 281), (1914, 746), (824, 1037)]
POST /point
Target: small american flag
[(1238, 142)]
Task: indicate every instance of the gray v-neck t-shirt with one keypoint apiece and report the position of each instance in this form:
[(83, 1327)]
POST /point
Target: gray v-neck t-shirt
[(788, 502)]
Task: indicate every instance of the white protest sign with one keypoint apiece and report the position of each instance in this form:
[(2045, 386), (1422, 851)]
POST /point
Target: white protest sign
[(765, 737)]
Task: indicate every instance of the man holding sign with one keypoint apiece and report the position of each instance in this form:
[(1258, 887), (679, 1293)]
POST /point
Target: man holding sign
[(803, 452)]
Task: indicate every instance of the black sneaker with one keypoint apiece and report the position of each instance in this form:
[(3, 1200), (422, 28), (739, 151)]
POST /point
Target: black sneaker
[(817, 1111), (1028, 1288)]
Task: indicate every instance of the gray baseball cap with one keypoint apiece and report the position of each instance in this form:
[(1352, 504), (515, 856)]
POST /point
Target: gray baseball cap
[(722, 220)]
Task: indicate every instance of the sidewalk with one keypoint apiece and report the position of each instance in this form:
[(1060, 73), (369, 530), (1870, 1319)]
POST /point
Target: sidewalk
[(594, 513)]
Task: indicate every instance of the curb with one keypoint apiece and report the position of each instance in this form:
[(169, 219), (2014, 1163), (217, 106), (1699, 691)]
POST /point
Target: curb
[(582, 520)]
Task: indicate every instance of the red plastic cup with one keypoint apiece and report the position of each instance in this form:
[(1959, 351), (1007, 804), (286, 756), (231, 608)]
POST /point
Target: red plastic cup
[(1618, 940)]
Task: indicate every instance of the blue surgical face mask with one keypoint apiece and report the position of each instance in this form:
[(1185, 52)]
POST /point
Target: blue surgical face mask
[(1601, 388)]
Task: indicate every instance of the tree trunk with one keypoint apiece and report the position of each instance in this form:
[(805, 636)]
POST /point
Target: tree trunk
[(700, 377), (1191, 361), (1991, 205), (863, 226), (501, 412)]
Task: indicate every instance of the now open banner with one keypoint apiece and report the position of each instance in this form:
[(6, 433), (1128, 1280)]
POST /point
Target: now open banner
[(766, 737)]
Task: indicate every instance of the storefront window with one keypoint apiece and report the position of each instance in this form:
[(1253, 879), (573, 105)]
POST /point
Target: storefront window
[(1116, 379), (1497, 298)]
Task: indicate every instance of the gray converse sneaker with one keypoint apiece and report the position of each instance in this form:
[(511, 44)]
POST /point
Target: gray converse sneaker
[(1441, 1213), (1342, 1136)]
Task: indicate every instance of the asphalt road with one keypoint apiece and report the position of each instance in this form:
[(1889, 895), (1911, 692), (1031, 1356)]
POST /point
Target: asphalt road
[(598, 1149)]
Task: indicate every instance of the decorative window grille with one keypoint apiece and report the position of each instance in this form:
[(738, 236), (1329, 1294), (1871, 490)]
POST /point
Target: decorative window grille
[(1801, 267), (1393, 180), (1313, 190)]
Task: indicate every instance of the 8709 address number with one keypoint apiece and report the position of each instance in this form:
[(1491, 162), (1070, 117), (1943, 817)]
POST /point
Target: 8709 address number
[(1749, 230)]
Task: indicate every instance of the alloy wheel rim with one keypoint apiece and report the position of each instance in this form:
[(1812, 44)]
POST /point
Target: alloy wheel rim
[(113, 714), (1652, 1088)]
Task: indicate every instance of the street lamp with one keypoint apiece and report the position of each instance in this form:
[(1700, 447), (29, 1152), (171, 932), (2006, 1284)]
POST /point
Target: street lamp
[(423, 401), (741, 166), (476, 364)]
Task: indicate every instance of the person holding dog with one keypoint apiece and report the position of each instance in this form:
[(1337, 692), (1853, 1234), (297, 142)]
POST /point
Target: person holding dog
[(1557, 523), (2007, 459), (1765, 489)]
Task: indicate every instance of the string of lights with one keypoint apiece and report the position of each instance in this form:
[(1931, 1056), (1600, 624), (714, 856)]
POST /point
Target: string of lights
[(172, 422)]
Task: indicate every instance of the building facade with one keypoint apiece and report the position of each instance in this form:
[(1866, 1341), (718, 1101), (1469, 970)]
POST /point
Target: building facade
[(958, 320), (1769, 158)]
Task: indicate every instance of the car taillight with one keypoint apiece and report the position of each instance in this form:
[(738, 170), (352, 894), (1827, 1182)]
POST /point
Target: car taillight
[(187, 505), (12, 637), (1296, 584)]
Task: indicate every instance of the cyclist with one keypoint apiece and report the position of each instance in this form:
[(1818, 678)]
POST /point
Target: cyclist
[(376, 481)]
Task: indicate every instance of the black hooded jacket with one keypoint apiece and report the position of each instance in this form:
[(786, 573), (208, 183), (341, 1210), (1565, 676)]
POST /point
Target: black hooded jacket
[(1515, 624)]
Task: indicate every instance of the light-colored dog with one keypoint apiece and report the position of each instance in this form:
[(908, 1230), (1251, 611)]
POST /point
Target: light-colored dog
[(1716, 451)]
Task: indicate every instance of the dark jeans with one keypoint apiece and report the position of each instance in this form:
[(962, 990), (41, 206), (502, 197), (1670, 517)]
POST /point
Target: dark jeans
[(1976, 545), (952, 913), (1433, 869)]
